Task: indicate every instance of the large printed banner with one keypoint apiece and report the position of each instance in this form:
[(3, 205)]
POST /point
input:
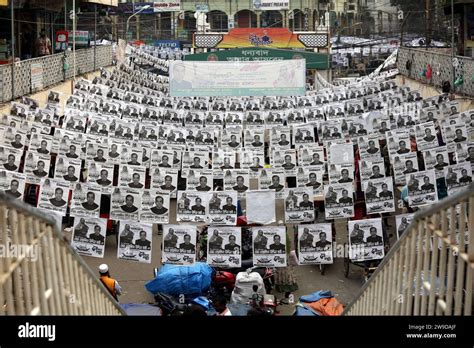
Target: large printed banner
[(264, 5), (276, 78), (260, 37)]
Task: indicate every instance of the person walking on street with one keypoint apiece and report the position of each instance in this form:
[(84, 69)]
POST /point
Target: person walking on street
[(110, 284)]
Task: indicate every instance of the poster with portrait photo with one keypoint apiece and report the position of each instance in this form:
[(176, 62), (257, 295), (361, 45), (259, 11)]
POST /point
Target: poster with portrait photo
[(54, 97), (122, 130), (252, 160), (221, 161), (53, 196), (68, 170), (274, 118), (341, 173), (436, 159), (254, 138), (164, 179), (62, 141), (74, 121), (14, 137), (315, 244), (422, 188), (299, 205), (272, 179), (311, 177), (269, 246), (194, 160), (98, 125), (162, 159), (231, 138), (335, 111), (339, 201), (172, 117), (285, 159), (373, 168), (36, 167), (310, 155), (85, 200), (379, 195), (468, 118), (214, 118), (429, 114), (280, 138), (426, 138), (132, 112), (100, 174), (204, 138), (303, 134), (132, 176), (155, 206), (314, 114), (464, 152), (234, 118), (329, 130), (12, 184), (192, 206), (148, 132), (177, 136), (20, 110), (237, 180), (366, 240), (112, 108), (179, 244), (369, 146), (88, 236), (223, 208), (403, 165), (458, 177), (150, 115), (97, 152), (135, 241), (224, 247), (125, 204), (455, 133), (131, 156), (41, 144), (402, 222), (254, 118), (199, 180), (398, 143), (355, 126)]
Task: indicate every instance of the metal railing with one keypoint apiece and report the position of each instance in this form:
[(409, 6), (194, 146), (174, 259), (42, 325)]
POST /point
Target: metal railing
[(429, 271), (40, 274)]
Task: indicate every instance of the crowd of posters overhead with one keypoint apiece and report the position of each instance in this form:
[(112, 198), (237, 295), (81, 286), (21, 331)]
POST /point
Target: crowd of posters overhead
[(315, 244), (299, 205), (224, 246), (269, 246), (88, 237), (366, 240), (379, 195), (422, 188), (339, 201), (192, 206), (179, 244), (134, 241), (275, 78), (223, 208)]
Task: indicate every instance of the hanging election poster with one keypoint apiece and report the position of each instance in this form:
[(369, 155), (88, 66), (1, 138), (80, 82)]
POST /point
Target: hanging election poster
[(101, 174), (310, 155), (436, 159), (125, 204), (402, 222), (269, 246), (373, 168), (379, 195), (132, 177), (13, 184), (224, 247), (273, 179), (421, 188), (339, 202), (85, 200), (458, 177), (341, 173), (223, 209), (10, 158), (199, 180), (155, 206), (179, 244), (299, 205), (53, 196), (311, 177), (164, 179), (134, 241), (315, 244), (192, 206), (366, 240), (426, 136), (403, 165), (88, 236)]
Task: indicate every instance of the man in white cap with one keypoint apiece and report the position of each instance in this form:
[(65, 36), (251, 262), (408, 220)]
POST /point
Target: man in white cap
[(110, 284)]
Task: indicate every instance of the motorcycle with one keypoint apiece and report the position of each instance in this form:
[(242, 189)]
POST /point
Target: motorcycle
[(168, 305)]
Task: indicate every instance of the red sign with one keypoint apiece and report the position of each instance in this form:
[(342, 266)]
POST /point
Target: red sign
[(62, 39)]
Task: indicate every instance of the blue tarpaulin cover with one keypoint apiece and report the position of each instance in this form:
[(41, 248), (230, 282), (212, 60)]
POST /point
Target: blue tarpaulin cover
[(141, 309), (178, 280)]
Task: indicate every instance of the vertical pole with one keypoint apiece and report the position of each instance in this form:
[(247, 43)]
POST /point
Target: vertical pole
[(95, 34), (13, 46), (452, 44), (427, 23), (74, 29), (65, 14)]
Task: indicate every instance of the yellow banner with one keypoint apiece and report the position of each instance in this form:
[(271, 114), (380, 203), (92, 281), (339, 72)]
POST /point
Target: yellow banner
[(3, 2)]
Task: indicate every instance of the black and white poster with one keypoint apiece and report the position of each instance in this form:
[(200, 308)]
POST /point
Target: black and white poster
[(85, 200), (221, 161), (101, 174), (224, 247), (125, 204), (234, 118), (252, 160), (132, 176), (194, 160), (192, 206), (299, 205), (303, 134), (199, 180), (398, 142), (455, 133), (88, 236), (311, 177), (155, 206), (369, 146), (341, 173), (164, 180), (67, 169), (403, 165), (373, 168), (12, 184), (436, 159), (366, 240), (223, 208), (14, 137), (272, 179), (269, 246), (330, 130), (426, 136), (53, 196), (379, 195), (402, 222), (231, 138), (458, 177), (339, 201), (36, 167), (422, 188), (179, 244), (310, 155), (315, 244), (285, 159), (10, 158), (134, 241), (237, 180), (280, 137), (254, 138)]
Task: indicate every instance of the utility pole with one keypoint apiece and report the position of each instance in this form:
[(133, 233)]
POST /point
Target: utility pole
[(427, 23), (13, 46)]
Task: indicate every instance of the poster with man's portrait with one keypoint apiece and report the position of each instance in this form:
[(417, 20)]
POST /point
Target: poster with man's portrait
[(339, 201), (163, 159), (231, 138), (237, 180), (379, 195), (252, 160), (366, 240), (254, 138), (223, 208), (192, 206), (310, 155), (194, 160), (369, 146), (455, 133), (403, 165), (85, 200), (132, 156), (53, 196), (422, 188), (402, 222), (373, 168), (98, 125), (36, 167), (311, 177), (88, 236), (41, 144), (341, 173), (132, 176), (303, 134), (398, 143), (274, 118), (155, 207), (426, 138), (234, 118), (315, 244), (179, 244), (67, 169), (214, 118), (329, 130), (285, 159), (135, 241), (436, 159), (269, 246), (458, 177), (125, 204), (14, 137), (272, 179), (12, 184), (221, 161), (299, 205), (10, 158), (254, 118), (100, 174), (62, 141), (280, 138), (224, 247), (199, 180), (164, 180)]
